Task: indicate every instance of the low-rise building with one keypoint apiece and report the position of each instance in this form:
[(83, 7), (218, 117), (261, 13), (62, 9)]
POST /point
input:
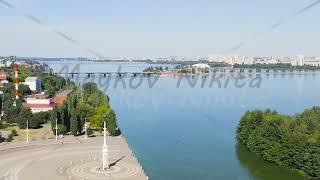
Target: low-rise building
[(3, 80), (200, 68), (3, 76), (34, 83), (312, 62), (39, 103)]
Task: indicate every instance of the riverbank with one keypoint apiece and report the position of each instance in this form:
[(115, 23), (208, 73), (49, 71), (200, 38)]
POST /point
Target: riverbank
[(242, 74), (163, 141), (71, 157)]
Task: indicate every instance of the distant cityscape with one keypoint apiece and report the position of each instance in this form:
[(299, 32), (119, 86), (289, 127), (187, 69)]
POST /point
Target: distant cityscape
[(297, 60)]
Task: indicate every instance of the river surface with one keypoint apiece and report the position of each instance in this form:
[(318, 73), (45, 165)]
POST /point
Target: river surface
[(184, 129)]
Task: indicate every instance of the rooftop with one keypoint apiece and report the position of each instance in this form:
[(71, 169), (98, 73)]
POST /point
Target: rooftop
[(38, 96), (61, 97), (200, 65), (31, 79), (26, 105)]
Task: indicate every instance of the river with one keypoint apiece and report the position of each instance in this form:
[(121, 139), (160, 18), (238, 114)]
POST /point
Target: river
[(183, 129)]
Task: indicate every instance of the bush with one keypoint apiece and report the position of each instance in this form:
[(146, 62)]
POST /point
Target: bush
[(42, 117), (14, 132), (90, 132), (9, 139), (62, 129), (34, 122)]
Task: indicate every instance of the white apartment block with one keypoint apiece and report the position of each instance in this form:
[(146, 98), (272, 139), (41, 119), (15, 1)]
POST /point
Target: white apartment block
[(34, 83)]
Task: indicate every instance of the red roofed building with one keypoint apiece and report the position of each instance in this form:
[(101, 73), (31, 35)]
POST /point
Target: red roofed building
[(3, 76), (39, 103), (35, 108), (61, 97)]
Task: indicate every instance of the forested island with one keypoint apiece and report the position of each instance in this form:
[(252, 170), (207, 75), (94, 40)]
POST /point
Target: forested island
[(292, 141)]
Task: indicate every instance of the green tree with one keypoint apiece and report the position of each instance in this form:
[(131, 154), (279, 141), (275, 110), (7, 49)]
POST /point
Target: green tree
[(111, 122), (62, 129), (74, 122), (24, 90), (42, 117), (14, 132), (89, 132), (284, 140), (1, 124), (99, 116), (9, 139), (24, 116), (1, 101)]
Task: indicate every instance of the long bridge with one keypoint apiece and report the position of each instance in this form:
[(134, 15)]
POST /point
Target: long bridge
[(214, 71), (72, 74)]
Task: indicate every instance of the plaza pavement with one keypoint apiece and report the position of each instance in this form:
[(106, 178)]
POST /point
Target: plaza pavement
[(72, 158)]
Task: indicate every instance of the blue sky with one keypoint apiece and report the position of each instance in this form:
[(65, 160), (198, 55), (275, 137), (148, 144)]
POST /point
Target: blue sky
[(159, 27)]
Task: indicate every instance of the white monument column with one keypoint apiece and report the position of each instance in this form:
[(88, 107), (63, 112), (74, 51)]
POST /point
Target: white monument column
[(105, 164)]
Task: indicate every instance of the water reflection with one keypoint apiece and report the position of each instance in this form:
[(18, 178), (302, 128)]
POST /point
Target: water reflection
[(259, 169)]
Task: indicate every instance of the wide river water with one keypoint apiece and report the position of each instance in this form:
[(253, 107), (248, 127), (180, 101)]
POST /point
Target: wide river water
[(184, 129)]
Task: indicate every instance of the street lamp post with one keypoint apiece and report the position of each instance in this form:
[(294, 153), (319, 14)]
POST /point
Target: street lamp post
[(27, 130), (56, 129)]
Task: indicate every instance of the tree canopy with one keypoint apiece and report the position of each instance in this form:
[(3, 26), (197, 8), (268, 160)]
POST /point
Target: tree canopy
[(89, 104), (285, 140)]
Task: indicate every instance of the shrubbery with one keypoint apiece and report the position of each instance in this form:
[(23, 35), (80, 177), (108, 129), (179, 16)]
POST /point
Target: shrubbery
[(285, 140), (14, 132), (9, 139), (1, 125), (90, 132)]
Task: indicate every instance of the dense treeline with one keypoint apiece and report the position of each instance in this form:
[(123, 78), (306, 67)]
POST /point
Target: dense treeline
[(281, 66), (285, 140), (156, 69), (53, 83), (89, 104)]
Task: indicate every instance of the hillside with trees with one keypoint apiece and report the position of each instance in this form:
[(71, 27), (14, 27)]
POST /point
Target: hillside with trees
[(89, 104), (292, 141)]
